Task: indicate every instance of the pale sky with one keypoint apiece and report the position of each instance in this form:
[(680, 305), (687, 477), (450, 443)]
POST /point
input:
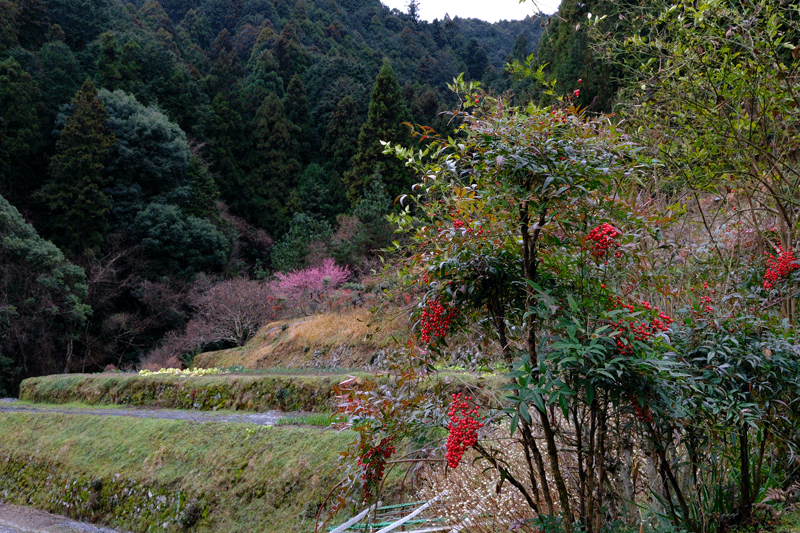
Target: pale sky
[(488, 10)]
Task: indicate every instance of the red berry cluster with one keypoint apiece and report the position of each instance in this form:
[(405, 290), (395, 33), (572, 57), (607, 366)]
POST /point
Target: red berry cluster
[(436, 319), (603, 237), (640, 330), (706, 301), (463, 429), (373, 462), (642, 412), (778, 268)]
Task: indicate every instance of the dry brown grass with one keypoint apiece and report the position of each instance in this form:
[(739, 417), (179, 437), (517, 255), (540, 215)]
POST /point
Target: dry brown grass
[(348, 338), (468, 496)]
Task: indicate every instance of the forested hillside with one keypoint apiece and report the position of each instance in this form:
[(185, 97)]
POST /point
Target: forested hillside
[(152, 142), (613, 230)]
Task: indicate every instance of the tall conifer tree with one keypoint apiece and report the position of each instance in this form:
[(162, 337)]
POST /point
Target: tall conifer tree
[(341, 136), (385, 118), (75, 196), (296, 105), (271, 201)]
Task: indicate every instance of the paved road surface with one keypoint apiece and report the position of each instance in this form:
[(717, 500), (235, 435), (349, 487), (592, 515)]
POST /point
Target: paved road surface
[(262, 419), (16, 519)]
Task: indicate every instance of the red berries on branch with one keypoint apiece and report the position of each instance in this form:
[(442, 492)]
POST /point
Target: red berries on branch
[(373, 463), (640, 330), (642, 412), (436, 319), (602, 238), (463, 429), (779, 267)]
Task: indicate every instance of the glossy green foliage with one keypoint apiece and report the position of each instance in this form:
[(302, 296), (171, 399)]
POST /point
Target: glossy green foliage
[(178, 244), (42, 307)]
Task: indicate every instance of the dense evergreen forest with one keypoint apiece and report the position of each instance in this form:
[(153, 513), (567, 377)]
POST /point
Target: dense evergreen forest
[(143, 144)]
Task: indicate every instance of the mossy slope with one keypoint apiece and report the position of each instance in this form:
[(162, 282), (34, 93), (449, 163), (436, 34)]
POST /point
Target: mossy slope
[(160, 475)]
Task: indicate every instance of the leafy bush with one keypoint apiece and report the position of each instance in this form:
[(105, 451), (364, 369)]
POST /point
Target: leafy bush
[(292, 252), (180, 244), (42, 302)]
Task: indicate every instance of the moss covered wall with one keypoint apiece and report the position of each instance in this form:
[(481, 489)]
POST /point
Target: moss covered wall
[(252, 393), (144, 475), (120, 502)]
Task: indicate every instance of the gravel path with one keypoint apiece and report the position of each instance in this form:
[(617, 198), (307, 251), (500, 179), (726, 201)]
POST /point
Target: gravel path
[(261, 419)]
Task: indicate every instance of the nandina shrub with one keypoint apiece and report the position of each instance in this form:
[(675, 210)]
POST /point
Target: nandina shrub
[(500, 233)]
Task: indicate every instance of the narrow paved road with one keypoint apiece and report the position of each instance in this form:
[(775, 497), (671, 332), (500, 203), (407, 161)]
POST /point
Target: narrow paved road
[(16, 519), (262, 419)]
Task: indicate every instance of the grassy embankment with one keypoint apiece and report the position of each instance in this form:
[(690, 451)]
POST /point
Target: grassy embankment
[(163, 475), (248, 392), (297, 363)]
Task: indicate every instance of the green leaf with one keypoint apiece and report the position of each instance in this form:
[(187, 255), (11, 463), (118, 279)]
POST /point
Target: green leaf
[(564, 403), (523, 411), (547, 183), (573, 305), (537, 400)]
